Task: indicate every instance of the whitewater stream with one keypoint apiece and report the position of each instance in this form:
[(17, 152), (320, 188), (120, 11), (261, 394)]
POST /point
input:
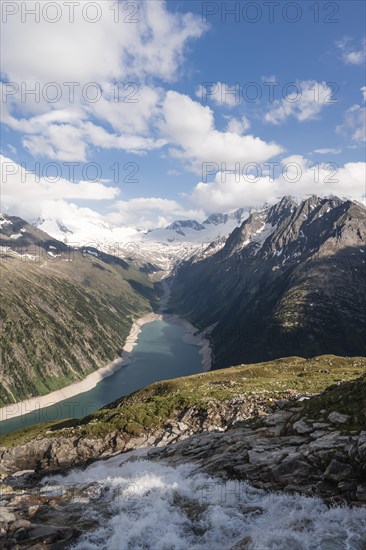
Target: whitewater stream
[(142, 504)]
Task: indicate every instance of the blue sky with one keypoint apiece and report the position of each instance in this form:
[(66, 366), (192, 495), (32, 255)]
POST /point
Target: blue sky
[(169, 51)]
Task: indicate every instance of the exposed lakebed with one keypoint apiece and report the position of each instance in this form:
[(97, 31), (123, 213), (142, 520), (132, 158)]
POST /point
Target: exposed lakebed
[(162, 351)]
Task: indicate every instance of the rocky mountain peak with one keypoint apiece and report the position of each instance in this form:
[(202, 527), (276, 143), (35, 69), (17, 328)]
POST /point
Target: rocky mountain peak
[(216, 219), (179, 225)]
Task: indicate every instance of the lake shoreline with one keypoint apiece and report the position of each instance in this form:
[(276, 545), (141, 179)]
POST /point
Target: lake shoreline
[(33, 404)]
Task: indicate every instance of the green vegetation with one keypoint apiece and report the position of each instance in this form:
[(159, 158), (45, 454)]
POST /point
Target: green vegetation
[(153, 405), (347, 398), (61, 320)]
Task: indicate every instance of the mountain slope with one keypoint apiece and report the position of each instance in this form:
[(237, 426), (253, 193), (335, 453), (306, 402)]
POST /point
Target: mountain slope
[(63, 312), (290, 280)]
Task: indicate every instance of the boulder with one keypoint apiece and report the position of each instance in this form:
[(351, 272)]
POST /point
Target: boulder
[(338, 418), (338, 471)]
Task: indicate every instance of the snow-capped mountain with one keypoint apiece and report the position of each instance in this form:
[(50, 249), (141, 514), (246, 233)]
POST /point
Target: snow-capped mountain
[(162, 248), (214, 227), (85, 231)]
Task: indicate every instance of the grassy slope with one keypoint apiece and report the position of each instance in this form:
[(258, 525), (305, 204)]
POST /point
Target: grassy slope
[(153, 405), (61, 320)]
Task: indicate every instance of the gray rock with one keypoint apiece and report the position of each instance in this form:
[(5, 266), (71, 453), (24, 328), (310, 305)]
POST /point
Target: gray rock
[(329, 441), (301, 427), (20, 524), (338, 418), (362, 446), (338, 471), (293, 469), (361, 492), (6, 516)]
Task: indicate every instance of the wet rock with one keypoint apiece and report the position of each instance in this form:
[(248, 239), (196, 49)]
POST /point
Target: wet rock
[(361, 492), (32, 510), (362, 446), (50, 533), (347, 486), (293, 469), (243, 544), (338, 471)]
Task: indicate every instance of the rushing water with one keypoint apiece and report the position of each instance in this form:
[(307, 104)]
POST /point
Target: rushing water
[(141, 504), (160, 354)]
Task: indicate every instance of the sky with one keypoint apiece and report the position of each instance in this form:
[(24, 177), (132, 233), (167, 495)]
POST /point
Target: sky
[(140, 113)]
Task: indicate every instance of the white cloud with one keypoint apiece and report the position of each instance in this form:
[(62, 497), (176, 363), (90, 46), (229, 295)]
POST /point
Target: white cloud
[(52, 198), (39, 193), (59, 142), (227, 193), (363, 90), (327, 151), (354, 124), (238, 126), (219, 93), (305, 102), (65, 134), (150, 212), (190, 126), (100, 52), (351, 55), (129, 55)]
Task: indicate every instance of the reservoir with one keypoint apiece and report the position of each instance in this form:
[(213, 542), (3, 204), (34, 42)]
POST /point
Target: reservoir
[(160, 353)]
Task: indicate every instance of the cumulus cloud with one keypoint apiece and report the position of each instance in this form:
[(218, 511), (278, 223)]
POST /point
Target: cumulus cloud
[(350, 54), (149, 212), (111, 48), (238, 126), (39, 194), (219, 93), (49, 197), (304, 103), (191, 127), (116, 59), (354, 124), (296, 176)]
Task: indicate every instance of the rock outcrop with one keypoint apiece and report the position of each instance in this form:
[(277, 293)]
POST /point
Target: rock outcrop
[(51, 454), (314, 446)]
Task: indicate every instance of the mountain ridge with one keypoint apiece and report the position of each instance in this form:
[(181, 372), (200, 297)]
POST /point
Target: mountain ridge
[(281, 271), (64, 312)]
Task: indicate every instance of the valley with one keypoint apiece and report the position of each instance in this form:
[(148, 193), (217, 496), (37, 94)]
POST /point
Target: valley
[(183, 275), (279, 292), (275, 281)]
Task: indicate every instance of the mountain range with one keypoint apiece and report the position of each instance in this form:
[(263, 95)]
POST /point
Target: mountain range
[(160, 248), (291, 280)]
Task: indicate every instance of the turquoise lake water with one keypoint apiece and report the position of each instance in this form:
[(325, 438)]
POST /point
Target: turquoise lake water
[(160, 354)]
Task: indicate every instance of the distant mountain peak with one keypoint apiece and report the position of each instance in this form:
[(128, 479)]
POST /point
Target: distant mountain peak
[(63, 227), (216, 219)]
